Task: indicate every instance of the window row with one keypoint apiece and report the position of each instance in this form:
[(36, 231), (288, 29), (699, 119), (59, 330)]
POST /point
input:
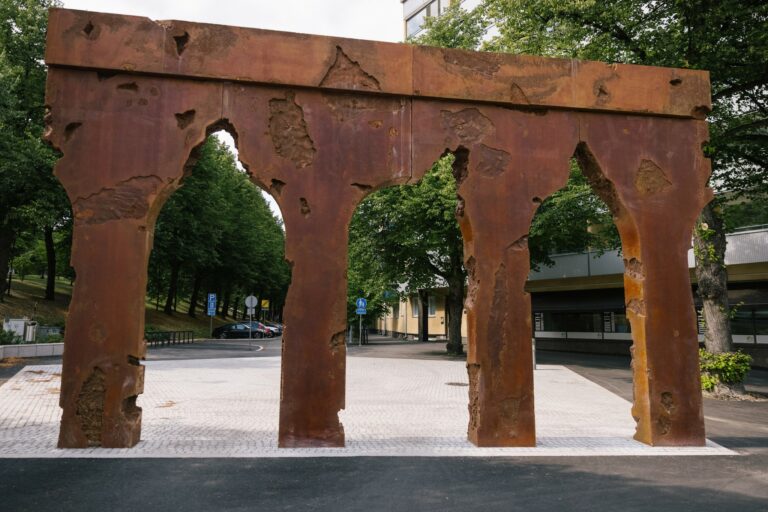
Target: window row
[(414, 24)]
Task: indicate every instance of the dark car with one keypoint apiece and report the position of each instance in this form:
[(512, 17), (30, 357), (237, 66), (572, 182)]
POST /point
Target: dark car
[(239, 330)]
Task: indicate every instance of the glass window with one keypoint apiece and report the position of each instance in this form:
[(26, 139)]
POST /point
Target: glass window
[(621, 323), (432, 305), (414, 307), (741, 323), (554, 322), (413, 25), (584, 322), (761, 321)]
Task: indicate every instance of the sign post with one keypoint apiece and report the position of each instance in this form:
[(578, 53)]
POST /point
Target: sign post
[(362, 306), (211, 309), (250, 302)]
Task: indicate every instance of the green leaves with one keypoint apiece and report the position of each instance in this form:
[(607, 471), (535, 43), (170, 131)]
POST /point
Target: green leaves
[(406, 235), (724, 368), (571, 220), (219, 225)]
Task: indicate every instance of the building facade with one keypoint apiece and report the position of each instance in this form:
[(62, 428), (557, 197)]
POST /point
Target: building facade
[(415, 12), (578, 303)]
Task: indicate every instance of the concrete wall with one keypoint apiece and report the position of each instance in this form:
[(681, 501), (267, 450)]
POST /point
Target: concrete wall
[(32, 350)]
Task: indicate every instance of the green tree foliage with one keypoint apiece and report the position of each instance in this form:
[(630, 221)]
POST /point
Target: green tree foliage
[(746, 213), (573, 219), (217, 234), (728, 369), (408, 235), (31, 199)]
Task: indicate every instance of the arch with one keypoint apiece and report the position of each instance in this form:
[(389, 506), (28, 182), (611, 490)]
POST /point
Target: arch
[(320, 135)]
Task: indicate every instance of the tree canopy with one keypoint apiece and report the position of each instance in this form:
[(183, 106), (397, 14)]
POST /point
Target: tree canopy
[(217, 232)]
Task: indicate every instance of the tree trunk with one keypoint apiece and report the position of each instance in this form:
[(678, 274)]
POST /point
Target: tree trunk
[(454, 310), (50, 253), (7, 236), (225, 304), (709, 247), (235, 304), (173, 287), (196, 284), (423, 315), (10, 281)]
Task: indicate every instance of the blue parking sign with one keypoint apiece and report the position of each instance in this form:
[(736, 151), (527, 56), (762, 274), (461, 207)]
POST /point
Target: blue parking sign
[(211, 304)]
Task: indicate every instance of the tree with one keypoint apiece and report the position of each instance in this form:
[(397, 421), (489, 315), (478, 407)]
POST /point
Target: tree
[(30, 196), (409, 234), (573, 219), (217, 231), (727, 37)]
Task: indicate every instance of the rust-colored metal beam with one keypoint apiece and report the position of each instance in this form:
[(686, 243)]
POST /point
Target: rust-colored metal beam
[(197, 50)]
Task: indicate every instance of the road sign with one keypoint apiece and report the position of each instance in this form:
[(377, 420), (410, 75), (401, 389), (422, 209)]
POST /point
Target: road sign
[(251, 311), (264, 303), (211, 304), (251, 301), (362, 306)]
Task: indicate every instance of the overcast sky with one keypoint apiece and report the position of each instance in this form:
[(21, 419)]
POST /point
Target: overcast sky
[(379, 20)]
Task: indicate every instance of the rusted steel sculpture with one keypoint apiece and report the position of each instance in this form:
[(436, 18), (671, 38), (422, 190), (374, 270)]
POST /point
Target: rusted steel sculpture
[(320, 123)]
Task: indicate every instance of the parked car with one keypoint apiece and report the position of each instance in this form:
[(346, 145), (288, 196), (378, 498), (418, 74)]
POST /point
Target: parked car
[(262, 329), (274, 327), (238, 331)]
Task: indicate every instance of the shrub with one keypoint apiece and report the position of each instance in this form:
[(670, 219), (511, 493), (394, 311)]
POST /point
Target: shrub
[(7, 337), (727, 368), (51, 338)]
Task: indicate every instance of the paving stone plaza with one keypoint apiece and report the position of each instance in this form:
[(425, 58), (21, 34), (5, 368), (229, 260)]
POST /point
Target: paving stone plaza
[(394, 407)]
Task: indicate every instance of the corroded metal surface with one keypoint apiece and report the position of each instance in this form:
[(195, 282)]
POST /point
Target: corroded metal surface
[(183, 49), (322, 122)]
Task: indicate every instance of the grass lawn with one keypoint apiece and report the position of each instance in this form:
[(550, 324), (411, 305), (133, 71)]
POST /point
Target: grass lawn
[(26, 300)]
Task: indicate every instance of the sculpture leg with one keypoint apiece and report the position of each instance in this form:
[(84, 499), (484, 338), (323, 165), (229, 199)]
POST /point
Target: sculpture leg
[(655, 188), (667, 387), (104, 341), (314, 351), (499, 362)]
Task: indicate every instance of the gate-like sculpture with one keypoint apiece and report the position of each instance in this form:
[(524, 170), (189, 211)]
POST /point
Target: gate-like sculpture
[(320, 123)]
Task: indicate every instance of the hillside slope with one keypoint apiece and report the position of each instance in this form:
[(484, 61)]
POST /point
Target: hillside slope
[(26, 300)]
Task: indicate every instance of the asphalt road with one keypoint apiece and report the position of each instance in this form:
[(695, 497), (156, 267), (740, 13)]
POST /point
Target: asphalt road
[(658, 484)]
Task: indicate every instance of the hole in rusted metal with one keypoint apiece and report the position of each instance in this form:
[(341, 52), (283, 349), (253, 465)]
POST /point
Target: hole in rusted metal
[(181, 43), (129, 86)]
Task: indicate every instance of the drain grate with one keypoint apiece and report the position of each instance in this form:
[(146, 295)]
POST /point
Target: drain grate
[(457, 384)]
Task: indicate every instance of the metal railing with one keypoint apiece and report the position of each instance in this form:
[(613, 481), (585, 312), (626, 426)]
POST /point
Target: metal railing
[(162, 338)]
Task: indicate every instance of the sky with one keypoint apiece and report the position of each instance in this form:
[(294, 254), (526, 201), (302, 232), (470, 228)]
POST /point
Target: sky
[(379, 20)]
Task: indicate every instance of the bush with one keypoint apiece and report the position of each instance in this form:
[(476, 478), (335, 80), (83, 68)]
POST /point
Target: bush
[(727, 368), (8, 337), (51, 338)]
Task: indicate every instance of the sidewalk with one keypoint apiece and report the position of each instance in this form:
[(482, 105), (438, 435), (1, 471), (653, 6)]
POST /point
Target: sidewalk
[(395, 407)]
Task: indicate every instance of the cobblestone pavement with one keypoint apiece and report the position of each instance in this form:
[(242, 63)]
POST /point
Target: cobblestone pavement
[(395, 407)]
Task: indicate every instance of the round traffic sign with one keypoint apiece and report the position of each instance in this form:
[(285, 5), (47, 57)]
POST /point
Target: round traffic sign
[(251, 301)]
